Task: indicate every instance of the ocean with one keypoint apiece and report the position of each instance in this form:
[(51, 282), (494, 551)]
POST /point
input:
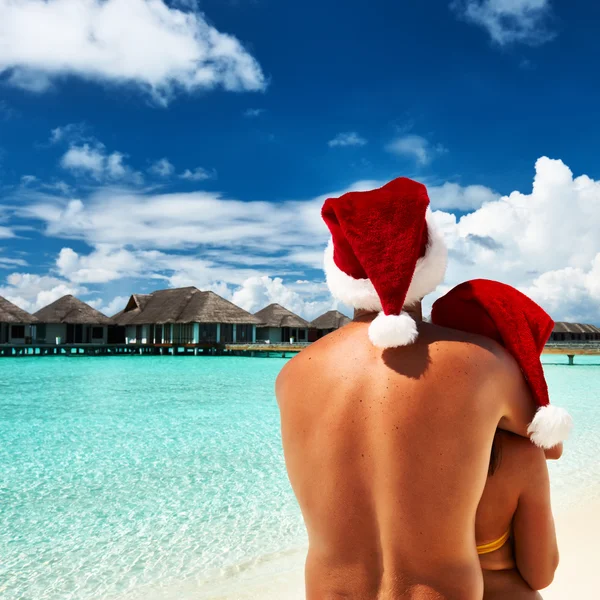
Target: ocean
[(163, 477)]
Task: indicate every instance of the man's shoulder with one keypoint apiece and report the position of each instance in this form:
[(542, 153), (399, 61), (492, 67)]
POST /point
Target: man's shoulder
[(325, 356), (297, 367), (316, 351), (442, 347)]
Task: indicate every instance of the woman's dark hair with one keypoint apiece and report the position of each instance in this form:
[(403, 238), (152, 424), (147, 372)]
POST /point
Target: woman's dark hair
[(495, 455)]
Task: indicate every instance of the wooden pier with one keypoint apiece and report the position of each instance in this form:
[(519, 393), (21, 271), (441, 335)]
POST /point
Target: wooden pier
[(568, 349), (573, 349), (279, 349), (202, 349)]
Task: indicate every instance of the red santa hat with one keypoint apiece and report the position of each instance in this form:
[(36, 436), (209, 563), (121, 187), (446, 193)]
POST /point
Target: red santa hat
[(384, 254), (501, 312)]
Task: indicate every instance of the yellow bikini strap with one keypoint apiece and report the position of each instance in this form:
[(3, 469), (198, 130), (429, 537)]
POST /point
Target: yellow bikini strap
[(493, 546)]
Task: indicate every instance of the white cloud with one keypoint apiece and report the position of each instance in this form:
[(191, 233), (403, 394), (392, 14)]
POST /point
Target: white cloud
[(310, 257), (28, 179), (183, 270), (198, 174), (181, 221), (509, 21), (456, 197), (111, 308), (543, 241), (572, 293), (102, 265), (110, 263), (114, 166), (257, 292), (143, 42), (350, 138), (56, 135), (415, 146), (91, 159), (32, 292), (162, 168), (85, 159), (70, 132), (31, 80), (86, 156), (58, 186), (5, 232), (254, 112), (7, 262)]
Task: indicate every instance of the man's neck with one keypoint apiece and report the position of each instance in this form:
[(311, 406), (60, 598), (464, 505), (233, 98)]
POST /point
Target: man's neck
[(415, 311)]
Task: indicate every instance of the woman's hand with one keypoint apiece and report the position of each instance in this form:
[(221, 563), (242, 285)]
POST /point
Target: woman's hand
[(554, 453)]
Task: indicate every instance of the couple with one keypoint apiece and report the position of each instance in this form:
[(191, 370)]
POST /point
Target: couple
[(417, 450)]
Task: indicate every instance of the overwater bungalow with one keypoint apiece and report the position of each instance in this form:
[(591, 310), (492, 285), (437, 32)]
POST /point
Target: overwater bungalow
[(574, 332), (326, 323), (16, 325), (280, 325), (68, 320), (185, 316)]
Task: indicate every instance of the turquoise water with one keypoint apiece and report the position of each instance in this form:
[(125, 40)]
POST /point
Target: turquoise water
[(576, 388), (119, 472), (137, 473)]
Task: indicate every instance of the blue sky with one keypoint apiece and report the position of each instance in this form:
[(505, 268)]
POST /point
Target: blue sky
[(146, 144)]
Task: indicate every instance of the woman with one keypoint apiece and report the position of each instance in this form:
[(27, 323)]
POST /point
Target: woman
[(514, 524)]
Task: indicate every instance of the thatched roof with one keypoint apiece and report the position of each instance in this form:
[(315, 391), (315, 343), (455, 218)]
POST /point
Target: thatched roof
[(332, 319), (276, 315), (562, 327), (71, 311), (134, 307), (182, 305), (11, 313)]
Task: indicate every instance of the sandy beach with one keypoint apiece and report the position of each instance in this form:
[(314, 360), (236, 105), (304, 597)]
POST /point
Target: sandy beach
[(578, 575)]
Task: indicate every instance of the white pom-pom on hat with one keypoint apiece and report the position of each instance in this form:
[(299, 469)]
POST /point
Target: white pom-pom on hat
[(550, 426), (392, 331)]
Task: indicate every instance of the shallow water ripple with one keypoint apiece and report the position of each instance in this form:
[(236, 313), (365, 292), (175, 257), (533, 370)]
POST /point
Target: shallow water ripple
[(122, 472)]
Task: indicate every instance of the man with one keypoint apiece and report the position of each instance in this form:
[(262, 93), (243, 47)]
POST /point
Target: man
[(387, 424)]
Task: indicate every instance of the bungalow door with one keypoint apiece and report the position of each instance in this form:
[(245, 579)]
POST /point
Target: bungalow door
[(226, 333), (70, 334)]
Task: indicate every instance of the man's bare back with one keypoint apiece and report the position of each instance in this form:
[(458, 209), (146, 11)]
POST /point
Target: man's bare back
[(387, 452)]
